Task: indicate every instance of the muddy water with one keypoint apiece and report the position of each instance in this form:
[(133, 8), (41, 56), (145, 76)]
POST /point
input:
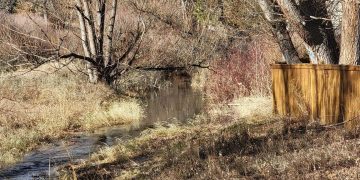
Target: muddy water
[(175, 105)]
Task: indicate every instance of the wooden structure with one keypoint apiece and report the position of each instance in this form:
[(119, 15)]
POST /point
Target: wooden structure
[(326, 93)]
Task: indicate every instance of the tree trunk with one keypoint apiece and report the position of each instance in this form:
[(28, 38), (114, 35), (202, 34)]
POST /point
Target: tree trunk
[(101, 62), (101, 7), (335, 11), (350, 33), (92, 71), (90, 28), (313, 26), (280, 32), (110, 34)]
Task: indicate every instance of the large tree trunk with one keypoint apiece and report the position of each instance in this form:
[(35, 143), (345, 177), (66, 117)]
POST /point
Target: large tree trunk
[(310, 20), (350, 47), (280, 32)]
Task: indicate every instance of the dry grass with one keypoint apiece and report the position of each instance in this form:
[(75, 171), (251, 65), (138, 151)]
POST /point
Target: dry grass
[(252, 107), (240, 148), (132, 148), (38, 107), (164, 144), (262, 151), (151, 141), (312, 154)]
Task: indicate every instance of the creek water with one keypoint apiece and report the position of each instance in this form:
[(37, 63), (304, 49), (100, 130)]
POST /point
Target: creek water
[(172, 105)]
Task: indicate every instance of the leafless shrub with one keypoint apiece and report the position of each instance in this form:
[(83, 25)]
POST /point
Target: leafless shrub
[(25, 41), (245, 72)]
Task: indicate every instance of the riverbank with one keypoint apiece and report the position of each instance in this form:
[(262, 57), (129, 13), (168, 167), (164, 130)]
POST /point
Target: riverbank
[(52, 102), (270, 148), (157, 147)]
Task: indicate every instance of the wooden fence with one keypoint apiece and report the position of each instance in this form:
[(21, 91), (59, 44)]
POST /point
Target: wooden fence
[(327, 93)]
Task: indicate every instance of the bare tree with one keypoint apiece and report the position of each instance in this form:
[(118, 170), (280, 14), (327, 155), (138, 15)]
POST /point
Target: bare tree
[(98, 44)]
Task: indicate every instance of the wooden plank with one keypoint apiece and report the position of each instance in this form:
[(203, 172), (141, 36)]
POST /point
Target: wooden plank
[(351, 104), (328, 95), (279, 95)]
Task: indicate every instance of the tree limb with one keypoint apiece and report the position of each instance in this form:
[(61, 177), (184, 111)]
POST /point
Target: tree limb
[(77, 56)]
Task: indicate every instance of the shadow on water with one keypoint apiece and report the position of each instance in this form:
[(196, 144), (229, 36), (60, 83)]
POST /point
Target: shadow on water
[(173, 105)]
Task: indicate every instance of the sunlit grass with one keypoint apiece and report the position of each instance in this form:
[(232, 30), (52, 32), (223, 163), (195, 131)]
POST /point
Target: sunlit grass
[(131, 148)]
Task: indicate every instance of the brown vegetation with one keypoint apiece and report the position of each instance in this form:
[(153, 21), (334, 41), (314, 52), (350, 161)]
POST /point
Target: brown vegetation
[(244, 72), (268, 149), (45, 104)]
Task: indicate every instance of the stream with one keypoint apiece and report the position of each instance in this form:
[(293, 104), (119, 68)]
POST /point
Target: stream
[(173, 105)]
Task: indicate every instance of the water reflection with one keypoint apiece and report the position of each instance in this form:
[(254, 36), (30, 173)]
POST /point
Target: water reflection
[(173, 104)]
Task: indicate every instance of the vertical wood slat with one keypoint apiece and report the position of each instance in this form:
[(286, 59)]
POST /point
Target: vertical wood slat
[(351, 105), (326, 93)]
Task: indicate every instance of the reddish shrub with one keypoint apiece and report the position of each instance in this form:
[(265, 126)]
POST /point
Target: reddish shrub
[(245, 72)]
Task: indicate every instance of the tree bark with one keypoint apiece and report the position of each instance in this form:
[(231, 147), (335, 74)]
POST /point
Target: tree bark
[(316, 32), (101, 7), (110, 33), (82, 29), (91, 70), (335, 13), (280, 32), (90, 28), (350, 47)]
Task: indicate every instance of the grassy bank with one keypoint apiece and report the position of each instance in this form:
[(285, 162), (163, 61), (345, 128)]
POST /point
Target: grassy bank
[(260, 151), (262, 147), (155, 148), (46, 104)]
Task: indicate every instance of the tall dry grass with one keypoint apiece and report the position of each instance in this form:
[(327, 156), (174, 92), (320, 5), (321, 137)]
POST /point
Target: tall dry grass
[(39, 107)]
